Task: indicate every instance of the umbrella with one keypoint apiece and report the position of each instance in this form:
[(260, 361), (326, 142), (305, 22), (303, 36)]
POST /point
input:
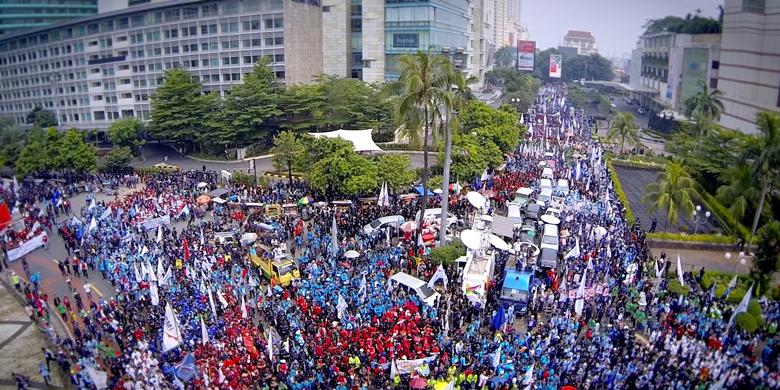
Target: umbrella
[(418, 383), (351, 254), (248, 238), (204, 199), (305, 200), (202, 184), (408, 226)]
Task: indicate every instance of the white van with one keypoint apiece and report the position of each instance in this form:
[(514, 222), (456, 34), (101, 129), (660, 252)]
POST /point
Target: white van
[(545, 183), (563, 186), (413, 285), (390, 221), (545, 196), (550, 237), (547, 173), (435, 214)]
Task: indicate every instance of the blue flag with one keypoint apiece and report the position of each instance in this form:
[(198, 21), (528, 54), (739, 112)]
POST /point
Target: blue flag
[(186, 369), (499, 318)]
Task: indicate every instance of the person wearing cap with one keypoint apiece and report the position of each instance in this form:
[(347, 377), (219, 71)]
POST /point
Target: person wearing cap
[(16, 281)]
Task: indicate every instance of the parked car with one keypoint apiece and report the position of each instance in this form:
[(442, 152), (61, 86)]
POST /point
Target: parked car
[(379, 224), (533, 211)]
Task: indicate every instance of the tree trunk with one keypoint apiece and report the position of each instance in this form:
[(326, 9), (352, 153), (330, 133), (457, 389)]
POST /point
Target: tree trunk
[(424, 200), (289, 173), (622, 141), (445, 195), (759, 209)]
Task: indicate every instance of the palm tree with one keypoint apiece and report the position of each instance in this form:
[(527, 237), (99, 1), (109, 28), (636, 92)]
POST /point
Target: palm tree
[(423, 84), (766, 157), (673, 191), (456, 99), (624, 127), (705, 102), (742, 191)]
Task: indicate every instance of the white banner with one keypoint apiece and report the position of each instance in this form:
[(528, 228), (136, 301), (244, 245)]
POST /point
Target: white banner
[(153, 223), (26, 247), (408, 366)]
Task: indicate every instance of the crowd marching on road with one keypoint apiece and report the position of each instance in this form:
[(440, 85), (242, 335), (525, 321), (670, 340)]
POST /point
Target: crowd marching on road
[(192, 307)]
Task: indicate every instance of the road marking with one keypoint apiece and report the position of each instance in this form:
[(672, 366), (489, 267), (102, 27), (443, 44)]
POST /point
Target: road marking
[(92, 286)]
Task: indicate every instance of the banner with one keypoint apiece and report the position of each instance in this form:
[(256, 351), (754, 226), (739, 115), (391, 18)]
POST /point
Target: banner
[(26, 247), (556, 63), (408, 366), (153, 223), (526, 55)]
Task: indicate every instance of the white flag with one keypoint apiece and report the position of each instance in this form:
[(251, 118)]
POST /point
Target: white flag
[(393, 369), (171, 333), (528, 378), (150, 271), (270, 346), (244, 313), (439, 274), (98, 377), (732, 283), (222, 299), (144, 250), (204, 332), (211, 303), (680, 270), (202, 239), (166, 278), (497, 357), (154, 294), (341, 306), (92, 204), (160, 270), (574, 252), (137, 274), (159, 233), (92, 225), (742, 307), (580, 302), (106, 213), (334, 233), (362, 289)]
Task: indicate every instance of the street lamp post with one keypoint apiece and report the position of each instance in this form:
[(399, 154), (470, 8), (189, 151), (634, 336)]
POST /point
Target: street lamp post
[(742, 259), (698, 218)]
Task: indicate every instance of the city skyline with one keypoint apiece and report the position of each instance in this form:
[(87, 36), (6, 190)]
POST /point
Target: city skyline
[(590, 16)]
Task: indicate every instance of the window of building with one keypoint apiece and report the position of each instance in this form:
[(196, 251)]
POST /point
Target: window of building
[(754, 6), (274, 23), (715, 64), (410, 40), (280, 75), (325, 8), (209, 10), (168, 34), (137, 20), (208, 29), (153, 36), (190, 12), (99, 115), (172, 15), (231, 27), (713, 83)]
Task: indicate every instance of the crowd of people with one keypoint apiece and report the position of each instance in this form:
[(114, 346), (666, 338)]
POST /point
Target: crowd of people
[(192, 310)]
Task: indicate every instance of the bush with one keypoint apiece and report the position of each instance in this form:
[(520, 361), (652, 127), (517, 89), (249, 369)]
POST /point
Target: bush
[(675, 287), (754, 309), (243, 178), (447, 254), (619, 192), (746, 322)]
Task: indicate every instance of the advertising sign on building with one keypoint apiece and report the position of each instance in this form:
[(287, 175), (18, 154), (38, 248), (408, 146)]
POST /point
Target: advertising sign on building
[(556, 63), (526, 51)]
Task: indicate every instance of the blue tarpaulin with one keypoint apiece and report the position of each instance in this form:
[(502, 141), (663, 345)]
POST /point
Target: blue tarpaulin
[(419, 190)]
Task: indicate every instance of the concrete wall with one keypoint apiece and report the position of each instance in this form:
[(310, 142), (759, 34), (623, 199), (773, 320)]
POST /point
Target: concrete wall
[(749, 74), (336, 38), (373, 40), (302, 42)]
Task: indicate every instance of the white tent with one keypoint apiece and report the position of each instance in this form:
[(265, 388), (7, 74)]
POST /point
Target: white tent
[(361, 139)]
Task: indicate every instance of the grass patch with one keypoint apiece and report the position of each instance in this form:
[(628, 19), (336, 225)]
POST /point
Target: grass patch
[(704, 238)]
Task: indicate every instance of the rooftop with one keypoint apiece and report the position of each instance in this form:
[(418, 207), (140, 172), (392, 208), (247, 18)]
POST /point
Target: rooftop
[(579, 35)]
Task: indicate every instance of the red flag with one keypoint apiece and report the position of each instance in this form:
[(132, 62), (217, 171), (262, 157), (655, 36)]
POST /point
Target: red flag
[(186, 245)]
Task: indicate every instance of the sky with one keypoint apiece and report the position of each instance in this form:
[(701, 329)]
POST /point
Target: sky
[(616, 24)]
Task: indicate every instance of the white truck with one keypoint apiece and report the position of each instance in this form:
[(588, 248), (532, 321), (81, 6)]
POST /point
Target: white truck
[(476, 275)]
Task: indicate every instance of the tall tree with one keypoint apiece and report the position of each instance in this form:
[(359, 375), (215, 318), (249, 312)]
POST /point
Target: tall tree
[(741, 191), (705, 102), (287, 151), (423, 83), (249, 109), (505, 57), (624, 128), (766, 158), (126, 132), (673, 191), (179, 109), (76, 154), (395, 170), (42, 118), (767, 258), (303, 107)]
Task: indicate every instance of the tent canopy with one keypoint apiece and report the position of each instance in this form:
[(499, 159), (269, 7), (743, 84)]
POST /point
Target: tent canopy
[(361, 139)]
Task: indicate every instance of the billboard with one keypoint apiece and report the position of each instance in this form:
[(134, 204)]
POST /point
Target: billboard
[(526, 51), (556, 62)]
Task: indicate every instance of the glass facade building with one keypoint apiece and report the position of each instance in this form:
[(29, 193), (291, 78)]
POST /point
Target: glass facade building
[(20, 15)]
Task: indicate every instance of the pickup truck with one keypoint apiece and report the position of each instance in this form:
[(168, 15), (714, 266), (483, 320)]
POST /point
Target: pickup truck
[(276, 265)]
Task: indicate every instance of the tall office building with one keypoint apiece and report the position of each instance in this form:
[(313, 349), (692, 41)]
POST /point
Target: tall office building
[(17, 15), (749, 62), (97, 69)]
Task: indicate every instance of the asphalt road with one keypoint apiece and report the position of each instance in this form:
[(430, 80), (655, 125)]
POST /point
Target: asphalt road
[(155, 153)]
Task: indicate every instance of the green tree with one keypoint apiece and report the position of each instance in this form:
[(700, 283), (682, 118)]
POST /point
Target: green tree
[(505, 57), (42, 118), (766, 260), (75, 154), (624, 128), (287, 151), (520, 89), (319, 148), (31, 159), (705, 102), (395, 170), (741, 191), (303, 107), (179, 109), (343, 172), (11, 141), (673, 192), (423, 84), (250, 109), (765, 153), (127, 132), (471, 155), (691, 24), (592, 67), (118, 158)]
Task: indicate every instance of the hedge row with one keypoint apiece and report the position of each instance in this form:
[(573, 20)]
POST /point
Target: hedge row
[(706, 238), (619, 192)]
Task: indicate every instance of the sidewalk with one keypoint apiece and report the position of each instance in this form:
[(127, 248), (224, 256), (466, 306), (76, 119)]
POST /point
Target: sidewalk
[(20, 344)]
